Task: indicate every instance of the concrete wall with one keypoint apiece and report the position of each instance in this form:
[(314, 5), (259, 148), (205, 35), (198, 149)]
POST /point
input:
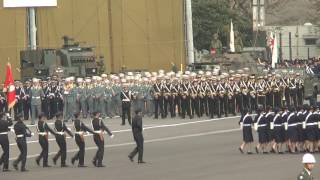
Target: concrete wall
[(139, 34)]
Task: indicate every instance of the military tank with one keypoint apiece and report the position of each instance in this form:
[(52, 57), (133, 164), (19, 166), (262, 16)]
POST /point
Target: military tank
[(69, 60)]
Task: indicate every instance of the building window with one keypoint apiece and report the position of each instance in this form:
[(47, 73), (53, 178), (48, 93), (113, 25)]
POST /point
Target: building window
[(310, 41)]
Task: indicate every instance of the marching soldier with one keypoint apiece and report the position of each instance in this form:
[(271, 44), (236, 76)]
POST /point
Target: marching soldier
[(252, 86), (60, 134), (43, 131), (246, 123), (80, 129), (5, 122), (137, 129), (99, 128), (22, 132)]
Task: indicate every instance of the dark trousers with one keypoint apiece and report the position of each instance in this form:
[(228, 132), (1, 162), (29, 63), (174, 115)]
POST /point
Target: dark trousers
[(26, 109), (80, 154), (158, 107), (43, 141), (126, 111), (177, 102), (185, 107), (138, 138), (18, 107), (61, 141), (45, 107), (195, 106), (100, 152), (4, 142), (53, 108), (22, 145)]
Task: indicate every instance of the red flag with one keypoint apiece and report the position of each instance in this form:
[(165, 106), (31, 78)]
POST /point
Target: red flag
[(9, 88)]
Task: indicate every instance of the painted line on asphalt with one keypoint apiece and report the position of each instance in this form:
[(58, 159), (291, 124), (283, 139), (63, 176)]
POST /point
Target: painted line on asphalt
[(151, 127), (147, 141)]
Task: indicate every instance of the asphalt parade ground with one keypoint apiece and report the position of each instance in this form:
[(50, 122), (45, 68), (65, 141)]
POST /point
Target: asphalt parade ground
[(175, 149)]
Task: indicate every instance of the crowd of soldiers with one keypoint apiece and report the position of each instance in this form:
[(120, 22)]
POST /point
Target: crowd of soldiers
[(157, 94), (298, 129)]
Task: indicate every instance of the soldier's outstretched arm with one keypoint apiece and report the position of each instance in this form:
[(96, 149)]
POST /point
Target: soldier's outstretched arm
[(67, 130), (86, 128), (105, 128), (48, 128)]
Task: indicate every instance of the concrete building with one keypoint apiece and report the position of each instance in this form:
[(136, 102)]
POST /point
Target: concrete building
[(298, 42), (137, 34)]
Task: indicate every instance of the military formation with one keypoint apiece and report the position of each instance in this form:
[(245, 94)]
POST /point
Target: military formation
[(289, 129), (158, 94)]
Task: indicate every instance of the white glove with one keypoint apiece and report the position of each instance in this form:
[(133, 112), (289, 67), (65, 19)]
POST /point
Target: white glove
[(112, 136), (32, 134), (12, 130)]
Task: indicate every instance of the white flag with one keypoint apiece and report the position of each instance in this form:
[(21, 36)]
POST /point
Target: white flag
[(232, 48), (274, 51)]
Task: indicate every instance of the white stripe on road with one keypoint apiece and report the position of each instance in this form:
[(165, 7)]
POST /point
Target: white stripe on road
[(147, 141), (151, 127)]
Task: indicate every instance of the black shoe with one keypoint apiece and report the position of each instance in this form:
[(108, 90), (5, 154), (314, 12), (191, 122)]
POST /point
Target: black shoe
[(82, 166), (265, 153), (46, 166), (73, 160), (94, 163), (15, 166), (54, 161), (101, 165), (6, 170), (38, 161), (240, 150), (64, 165), (131, 158), (123, 124), (280, 152), (249, 153), (141, 162), (24, 170)]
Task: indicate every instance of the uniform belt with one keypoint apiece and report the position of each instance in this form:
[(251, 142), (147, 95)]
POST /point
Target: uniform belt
[(292, 125), (60, 133), (79, 132), (125, 100), (20, 135), (42, 133), (311, 124), (247, 125), (98, 131), (262, 125), (277, 125), (37, 97), (3, 133)]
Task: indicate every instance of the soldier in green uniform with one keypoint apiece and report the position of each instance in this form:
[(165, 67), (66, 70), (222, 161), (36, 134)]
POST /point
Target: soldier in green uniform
[(69, 99), (82, 98), (308, 161), (36, 94)]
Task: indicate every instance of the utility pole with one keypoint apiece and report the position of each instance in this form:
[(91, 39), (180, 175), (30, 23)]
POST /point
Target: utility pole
[(189, 29), (32, 28)]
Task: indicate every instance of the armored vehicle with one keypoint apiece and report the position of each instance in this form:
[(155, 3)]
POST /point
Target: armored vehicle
[(70, 60)]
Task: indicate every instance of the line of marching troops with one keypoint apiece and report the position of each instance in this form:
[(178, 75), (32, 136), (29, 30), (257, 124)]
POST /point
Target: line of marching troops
[(157, 94), (60, 131), (297, 129)]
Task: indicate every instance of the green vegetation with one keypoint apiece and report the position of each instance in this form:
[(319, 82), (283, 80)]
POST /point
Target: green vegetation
[(211, 16)]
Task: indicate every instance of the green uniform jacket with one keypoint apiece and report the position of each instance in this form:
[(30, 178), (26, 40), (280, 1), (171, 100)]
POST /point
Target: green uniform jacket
[(304, 175)]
